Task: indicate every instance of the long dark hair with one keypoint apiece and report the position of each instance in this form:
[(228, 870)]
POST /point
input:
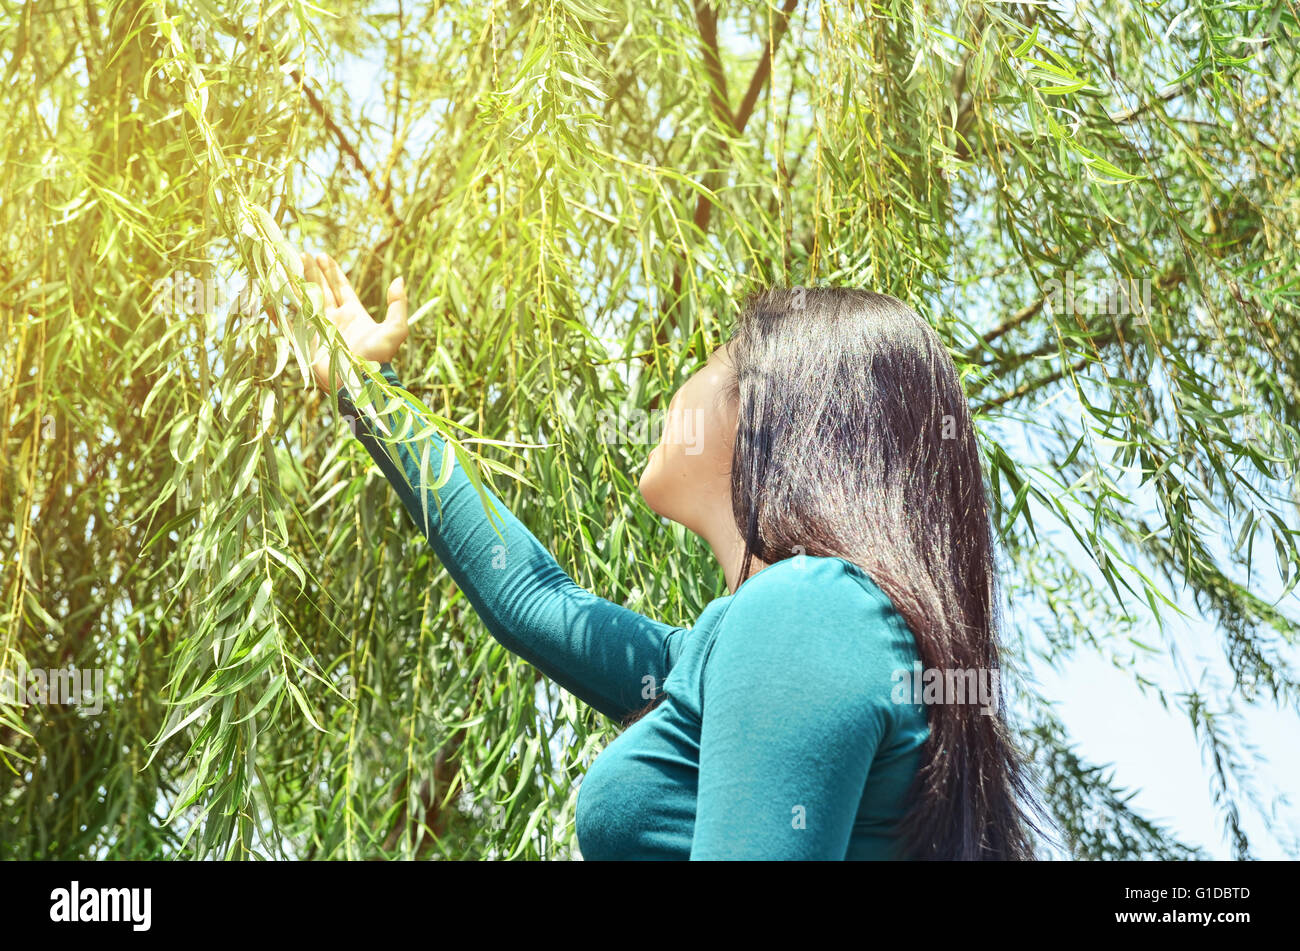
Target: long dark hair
[(854, 440)]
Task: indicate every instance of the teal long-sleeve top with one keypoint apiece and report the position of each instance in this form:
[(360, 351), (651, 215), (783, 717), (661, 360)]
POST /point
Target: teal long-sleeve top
[(785, 732)]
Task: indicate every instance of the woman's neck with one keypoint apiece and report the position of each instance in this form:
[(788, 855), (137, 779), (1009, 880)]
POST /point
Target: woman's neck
[(729, 549)]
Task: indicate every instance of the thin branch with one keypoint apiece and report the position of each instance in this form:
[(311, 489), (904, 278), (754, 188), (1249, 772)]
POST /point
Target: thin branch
[(734, 123), (707, 21), (1030, 386)]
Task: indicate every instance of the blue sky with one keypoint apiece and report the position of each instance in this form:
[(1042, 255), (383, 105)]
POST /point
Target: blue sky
[(1153, 750)]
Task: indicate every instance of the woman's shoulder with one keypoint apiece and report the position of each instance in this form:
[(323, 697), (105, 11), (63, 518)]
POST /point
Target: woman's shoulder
[(819, 618), (812, 587)]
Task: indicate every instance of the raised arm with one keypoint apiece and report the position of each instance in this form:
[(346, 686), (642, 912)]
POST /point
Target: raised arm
[(608, 655), (602, 652)]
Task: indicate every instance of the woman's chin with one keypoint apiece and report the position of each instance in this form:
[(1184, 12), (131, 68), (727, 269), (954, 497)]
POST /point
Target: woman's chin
[(646, 484)]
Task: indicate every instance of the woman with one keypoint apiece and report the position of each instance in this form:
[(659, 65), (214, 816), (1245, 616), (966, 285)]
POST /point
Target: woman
[(833, 470)]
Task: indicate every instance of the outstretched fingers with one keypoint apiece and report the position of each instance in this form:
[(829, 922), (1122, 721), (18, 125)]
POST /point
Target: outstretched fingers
[(343, 293), (394, 330), (312, 272)]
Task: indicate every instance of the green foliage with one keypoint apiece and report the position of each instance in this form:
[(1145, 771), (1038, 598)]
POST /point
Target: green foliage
[(579, 195)]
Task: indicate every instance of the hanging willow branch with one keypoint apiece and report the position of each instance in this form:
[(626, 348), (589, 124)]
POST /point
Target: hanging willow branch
[(579, 204)]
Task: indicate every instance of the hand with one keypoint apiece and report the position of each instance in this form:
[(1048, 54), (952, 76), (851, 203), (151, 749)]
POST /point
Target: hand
[(366, 339)]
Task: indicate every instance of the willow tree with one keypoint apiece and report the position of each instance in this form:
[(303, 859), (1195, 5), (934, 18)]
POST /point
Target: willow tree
[(580, 193)]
